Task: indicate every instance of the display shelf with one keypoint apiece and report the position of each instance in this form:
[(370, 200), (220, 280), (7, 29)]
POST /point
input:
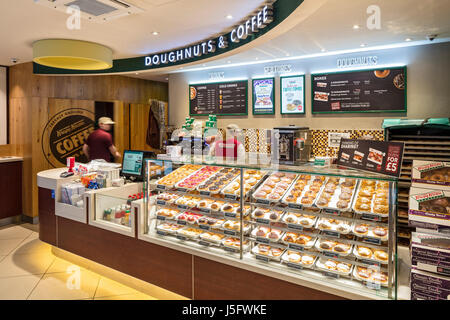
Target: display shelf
[(372, 221)]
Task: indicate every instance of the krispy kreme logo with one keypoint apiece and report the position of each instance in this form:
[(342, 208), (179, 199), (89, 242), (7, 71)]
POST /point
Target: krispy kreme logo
[(429, 196), (65, 134), (430, 166)]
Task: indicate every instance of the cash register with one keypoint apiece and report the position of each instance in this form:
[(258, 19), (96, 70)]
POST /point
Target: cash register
[(133, 164)]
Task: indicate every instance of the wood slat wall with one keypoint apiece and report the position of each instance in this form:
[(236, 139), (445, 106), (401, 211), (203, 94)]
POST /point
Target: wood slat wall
[(35, 99)]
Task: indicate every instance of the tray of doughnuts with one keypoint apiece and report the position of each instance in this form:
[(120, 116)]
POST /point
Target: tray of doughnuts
[(335, 225), (365, 230), (306, 260), (167, 197), (235, 243), (204, 204), (251, 180), (305, 220), (232, 225), (218, 181), (210, 222), (213, 237), (267, 215), (371, 275), (216, 205), (299, 239), (189, 201), (372, 197), (274, 187), (371, 254), (337, 194), (270, 252), (170, 228), (181, 173), (189, 217), (189, 232), (271, 234), (167, 213), (196, 178), (304, 191), (235, 207), (334, 266), (334, 247)]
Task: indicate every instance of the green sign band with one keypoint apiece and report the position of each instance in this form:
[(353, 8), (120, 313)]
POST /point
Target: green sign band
[(281, 10)]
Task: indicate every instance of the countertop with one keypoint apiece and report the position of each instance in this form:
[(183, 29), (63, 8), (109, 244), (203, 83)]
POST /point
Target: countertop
[(5, 159), (49, 179)]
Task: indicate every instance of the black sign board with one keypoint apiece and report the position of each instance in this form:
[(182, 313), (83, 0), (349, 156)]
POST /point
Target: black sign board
[(224, 98), (374, 156), (377, 90)]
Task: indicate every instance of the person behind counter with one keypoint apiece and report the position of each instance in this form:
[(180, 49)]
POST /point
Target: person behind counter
[(230, 148), (99, 144)]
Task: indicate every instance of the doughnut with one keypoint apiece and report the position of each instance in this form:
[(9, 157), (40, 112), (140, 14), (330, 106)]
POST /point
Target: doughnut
[(330, 264), (326, 245), (343, 267), (443, 202), (437, 177), (383, 209), (381, 255), (276, 252), (322, 202), (341, 247), (307, 200), (380, 231), (307, 259), (345, 196), (341, 204), (273, 216), (295, 257), (324, 225), (364, 252), (361, 229)]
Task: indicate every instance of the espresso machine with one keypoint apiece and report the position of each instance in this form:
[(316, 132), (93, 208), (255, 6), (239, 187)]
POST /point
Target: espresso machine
[(292, 144)]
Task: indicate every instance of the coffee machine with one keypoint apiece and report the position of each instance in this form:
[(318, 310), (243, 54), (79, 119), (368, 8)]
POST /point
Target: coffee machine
[(292, 144)]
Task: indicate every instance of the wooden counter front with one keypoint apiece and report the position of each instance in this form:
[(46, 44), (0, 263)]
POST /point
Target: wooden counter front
[(10, 189)]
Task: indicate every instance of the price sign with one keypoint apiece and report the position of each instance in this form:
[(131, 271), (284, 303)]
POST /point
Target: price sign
[(393, 159), (375, 156)]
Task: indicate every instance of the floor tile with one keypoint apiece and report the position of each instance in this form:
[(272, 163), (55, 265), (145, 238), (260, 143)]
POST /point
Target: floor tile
[(32, 244), (17, 288), (14, 232), (136, 296), (25, 264), (1, 258), (57, 286), (8, 245), (60, 265), (108, 287)]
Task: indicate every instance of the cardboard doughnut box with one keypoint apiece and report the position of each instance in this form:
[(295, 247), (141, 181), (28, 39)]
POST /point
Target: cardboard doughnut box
[(428, 286), (431, 174), (429, 208), (431, 252)]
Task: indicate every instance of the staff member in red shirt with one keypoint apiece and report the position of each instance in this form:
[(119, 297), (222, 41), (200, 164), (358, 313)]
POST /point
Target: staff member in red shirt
[(99, 144), (230, 148)]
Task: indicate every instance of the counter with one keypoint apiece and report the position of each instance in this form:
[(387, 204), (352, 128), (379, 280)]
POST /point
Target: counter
[(184, 270)]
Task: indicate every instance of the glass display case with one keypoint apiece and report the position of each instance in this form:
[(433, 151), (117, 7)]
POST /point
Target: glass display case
[(332, 225)]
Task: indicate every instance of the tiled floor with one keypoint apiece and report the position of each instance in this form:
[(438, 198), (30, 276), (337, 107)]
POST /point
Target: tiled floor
[(29, 270)]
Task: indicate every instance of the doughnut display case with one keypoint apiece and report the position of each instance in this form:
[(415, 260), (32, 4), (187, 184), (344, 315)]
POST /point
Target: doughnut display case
[(330, 226)]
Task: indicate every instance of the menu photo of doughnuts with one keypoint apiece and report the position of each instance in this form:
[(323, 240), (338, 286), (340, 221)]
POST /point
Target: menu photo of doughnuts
[(321, 96), (358, 156)]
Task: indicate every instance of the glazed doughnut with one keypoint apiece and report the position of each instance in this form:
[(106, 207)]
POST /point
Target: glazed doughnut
[(307, 259), (295, 257), (381, 255), (364, 252), (437, 177), (380, 231)]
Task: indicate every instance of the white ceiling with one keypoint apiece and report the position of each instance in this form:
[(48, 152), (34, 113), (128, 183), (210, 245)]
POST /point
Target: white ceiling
[(317, 25)]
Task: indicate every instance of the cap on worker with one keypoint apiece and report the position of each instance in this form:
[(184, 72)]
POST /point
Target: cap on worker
[(105, 120)]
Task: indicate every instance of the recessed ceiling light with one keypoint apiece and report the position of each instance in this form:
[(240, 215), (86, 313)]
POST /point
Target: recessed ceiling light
[(228, 61), (355, 26), (167, 78), (256, 58), (362, 45), (229, 17), (408, 39), (155, 33), (323, 50), (287, 54), (137, 73)]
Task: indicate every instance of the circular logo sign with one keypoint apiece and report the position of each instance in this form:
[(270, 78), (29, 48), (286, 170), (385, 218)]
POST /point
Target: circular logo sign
[(65, 134)]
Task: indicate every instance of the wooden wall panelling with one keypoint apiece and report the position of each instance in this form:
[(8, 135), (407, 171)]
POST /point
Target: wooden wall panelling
[(121, 129), (138, 124), (6, 150)]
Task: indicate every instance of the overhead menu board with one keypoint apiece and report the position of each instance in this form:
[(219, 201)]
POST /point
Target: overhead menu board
[(264, 96), (223, 98), (378, 90)]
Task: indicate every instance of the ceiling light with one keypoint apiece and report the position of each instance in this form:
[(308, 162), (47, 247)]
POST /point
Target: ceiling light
[(155, 33), (229, 17), (167, 78), (287, 54), (256, 58), (408, 39), (323, 50), (355, 27), (228, 61), (362, 45), (72, 54)]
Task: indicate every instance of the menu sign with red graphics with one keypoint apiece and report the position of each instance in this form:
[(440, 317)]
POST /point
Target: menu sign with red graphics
[(224, 98), (374, 156), (379, 90)]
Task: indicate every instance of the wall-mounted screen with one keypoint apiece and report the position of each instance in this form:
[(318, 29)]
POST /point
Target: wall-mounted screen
[(376, 90), (222, 98), (292, 91), (263, 96)]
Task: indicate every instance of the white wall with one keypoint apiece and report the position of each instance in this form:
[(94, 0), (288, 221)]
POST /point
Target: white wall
[(3, 107), (428, 90)]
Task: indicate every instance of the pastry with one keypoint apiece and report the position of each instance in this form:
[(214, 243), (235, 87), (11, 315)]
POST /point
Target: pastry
[(363, 207), (343, 267), (361, 229), (363, 200), (324, 224), (326, 245), (315, 188), (303, 239), (260, 194), (263, 249), (273, 216), (289, 237), (345, 196), (294, 257), (379, 277), (227, 208), (380, 231), (341, 247), (380, 201), (382, 209), (308, 260), (307, 200), (341, 204), (363, 272), (322, 202), (273, 235), (276, 252), (381, 255), (330, 265), (343, 227), (364, 252)]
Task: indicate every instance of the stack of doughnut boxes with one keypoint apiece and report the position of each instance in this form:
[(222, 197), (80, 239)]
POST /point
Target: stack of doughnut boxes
[(429, 213)]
